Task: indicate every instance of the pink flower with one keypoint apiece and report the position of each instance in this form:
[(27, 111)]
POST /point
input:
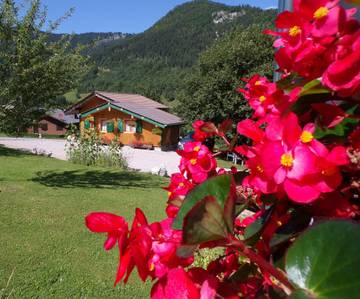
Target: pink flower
[(115, 227), (197, 162), (204, 130), (265, 98), (151, 248), (314, 35), (175, 285), (343, 74), (163, 250), (291, 159), (179, 186)]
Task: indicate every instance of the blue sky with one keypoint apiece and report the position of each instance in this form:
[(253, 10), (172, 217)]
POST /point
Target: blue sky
[(130, 16)]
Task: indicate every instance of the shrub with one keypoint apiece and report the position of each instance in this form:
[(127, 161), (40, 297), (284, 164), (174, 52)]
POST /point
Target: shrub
[(89, 150)]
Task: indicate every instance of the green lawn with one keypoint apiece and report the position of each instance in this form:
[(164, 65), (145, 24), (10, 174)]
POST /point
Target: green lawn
[(43, 238), (227, 164)]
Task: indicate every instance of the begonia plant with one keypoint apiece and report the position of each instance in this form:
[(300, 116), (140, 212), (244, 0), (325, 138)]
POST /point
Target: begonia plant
[(287, 224)]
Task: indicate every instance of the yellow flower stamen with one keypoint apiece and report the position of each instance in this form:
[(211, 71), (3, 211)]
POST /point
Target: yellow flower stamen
[(260, 169), (193, 161), (169, 194), (181, 184), (152, 267), (257, 83), (287, 160), (306, 137), (196, 148), (262, 99), (321, 12), (294, 31)]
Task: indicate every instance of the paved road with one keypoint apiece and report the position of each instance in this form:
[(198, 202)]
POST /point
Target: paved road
[(143, 160)]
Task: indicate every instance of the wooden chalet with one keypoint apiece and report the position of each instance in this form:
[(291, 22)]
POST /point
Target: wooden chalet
[(131, 118)]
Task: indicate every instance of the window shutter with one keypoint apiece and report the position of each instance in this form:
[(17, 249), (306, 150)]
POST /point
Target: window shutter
[(139, 126), (110, 127), (87, 124), (120, 126)]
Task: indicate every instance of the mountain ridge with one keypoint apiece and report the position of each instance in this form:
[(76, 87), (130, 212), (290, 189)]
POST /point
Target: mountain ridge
[(156, 61)]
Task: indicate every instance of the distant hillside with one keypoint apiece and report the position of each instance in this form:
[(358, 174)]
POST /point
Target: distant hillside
[(93, 38), (156, 61)]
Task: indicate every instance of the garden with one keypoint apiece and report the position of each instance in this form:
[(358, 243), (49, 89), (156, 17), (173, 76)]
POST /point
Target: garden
[(301, 185), (284, 225), (46, 251)]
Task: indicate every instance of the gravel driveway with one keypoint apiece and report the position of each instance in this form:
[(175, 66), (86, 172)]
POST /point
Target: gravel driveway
[(143, 160)]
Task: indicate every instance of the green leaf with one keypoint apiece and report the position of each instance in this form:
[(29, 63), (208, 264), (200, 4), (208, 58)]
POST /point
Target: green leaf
[(185, 251), (218, 187), (290, 82), (313, 87), (325, 263), (205, 222), (255, 228), (341, 129), (300, 294)]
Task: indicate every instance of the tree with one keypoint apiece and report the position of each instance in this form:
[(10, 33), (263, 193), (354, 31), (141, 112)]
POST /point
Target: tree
[(210, 93), (33, 70)]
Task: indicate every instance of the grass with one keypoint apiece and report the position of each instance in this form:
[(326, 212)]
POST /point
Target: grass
[(44, 242), (227, 164)]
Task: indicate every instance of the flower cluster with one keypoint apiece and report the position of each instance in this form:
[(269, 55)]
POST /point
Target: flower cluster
[(302, 160), (320, 39), (287, 158), (149, 247), (266, 98)]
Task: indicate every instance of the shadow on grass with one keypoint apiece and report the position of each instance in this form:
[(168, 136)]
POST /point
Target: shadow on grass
[(97, 179), (9, 152)]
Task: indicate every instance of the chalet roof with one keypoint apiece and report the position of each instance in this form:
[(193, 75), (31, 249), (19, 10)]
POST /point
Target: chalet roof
[(125, 98), (155, 114), (61, 116), (135, 104)]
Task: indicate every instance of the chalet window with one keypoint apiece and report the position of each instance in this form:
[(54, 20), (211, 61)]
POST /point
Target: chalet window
[(87, 124), (44, 126), (59, 128), (120, 126), (110, 127), (139, 126), (103, 128), (130, 126), (107, 126)]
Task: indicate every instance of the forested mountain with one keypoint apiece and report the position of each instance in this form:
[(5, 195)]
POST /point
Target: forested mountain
[(92, 38), (155, 62)]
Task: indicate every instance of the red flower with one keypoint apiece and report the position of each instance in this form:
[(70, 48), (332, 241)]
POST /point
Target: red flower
[(334, 205), (204, 130), (197, 162), (179, 186), (175, 285), (314, 35), (149, 247), (115, 226), (291, 159), (251, 130), (265, 98), (343, 74)]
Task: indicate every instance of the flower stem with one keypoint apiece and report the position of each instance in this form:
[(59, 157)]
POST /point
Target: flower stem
[(262, 263)]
